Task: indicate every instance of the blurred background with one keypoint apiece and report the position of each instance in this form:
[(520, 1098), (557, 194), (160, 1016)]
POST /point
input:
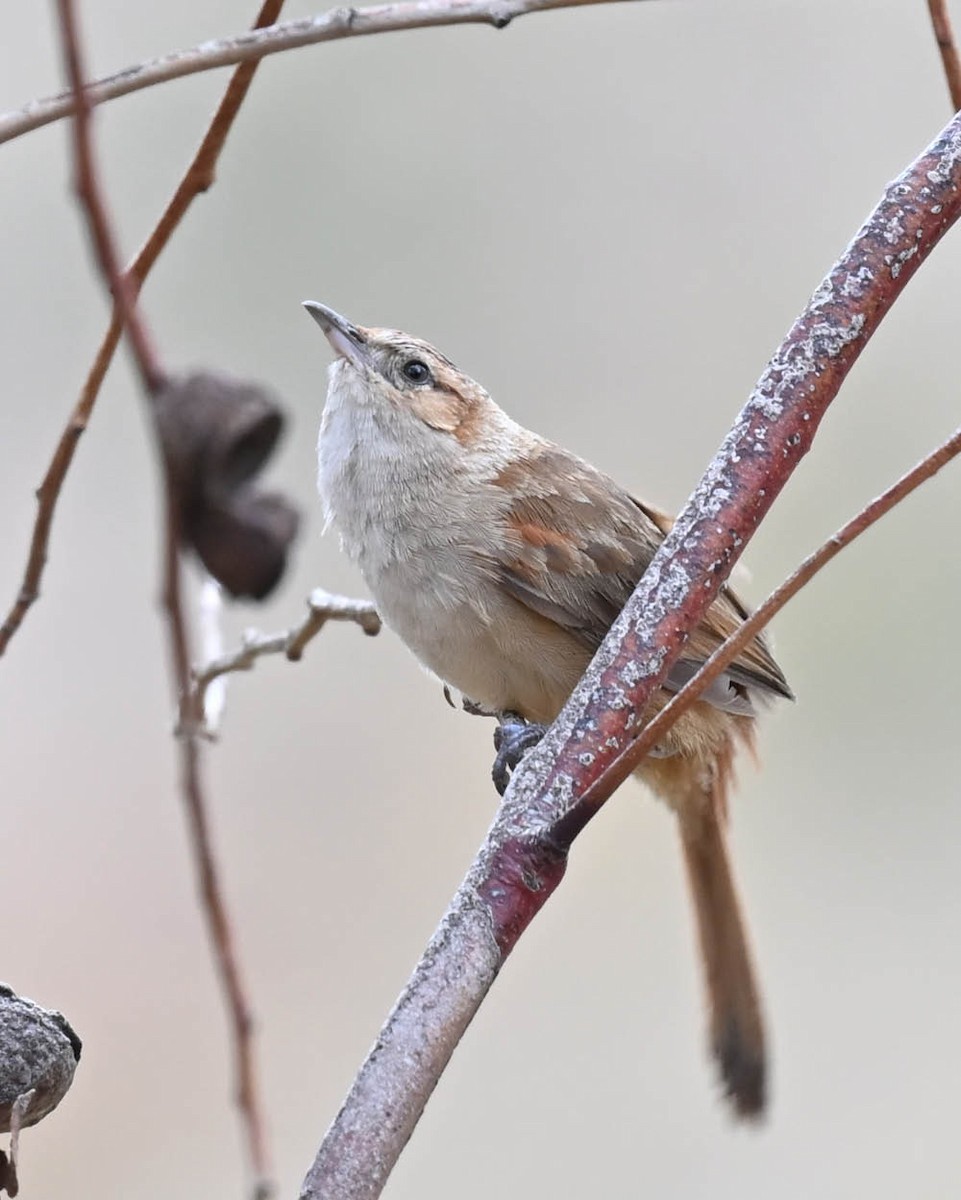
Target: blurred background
[(610, 217)]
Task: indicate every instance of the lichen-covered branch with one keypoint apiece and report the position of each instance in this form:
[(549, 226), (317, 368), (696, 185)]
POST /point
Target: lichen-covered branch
[(524, 855), (654, 731)]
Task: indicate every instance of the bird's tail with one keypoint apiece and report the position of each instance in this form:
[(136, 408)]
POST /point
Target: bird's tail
[(735, 1022)]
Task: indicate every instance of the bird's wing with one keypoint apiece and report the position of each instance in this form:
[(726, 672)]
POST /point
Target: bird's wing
[(576, 546)]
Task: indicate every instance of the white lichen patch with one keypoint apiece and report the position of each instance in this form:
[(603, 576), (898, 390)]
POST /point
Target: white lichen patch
[(633, 672), (823, 293), (856, 283), (947, 166), (896, 262)]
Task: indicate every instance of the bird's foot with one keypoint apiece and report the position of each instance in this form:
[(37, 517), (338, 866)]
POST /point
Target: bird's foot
[(513, 737), (469, 706)]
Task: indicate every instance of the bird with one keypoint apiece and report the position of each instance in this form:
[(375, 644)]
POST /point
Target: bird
[(501, 560)]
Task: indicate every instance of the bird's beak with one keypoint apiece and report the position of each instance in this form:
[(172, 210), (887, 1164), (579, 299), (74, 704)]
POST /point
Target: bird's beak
[(346, 340)]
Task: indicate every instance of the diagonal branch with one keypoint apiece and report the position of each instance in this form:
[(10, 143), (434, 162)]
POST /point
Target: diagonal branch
[(245, 47), (524, 856), (198, 178), (724, 655)]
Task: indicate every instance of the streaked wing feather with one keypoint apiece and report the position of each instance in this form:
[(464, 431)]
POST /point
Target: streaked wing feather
[(576, 550)]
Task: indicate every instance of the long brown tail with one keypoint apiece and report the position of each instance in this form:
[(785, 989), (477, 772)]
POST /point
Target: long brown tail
[(734, 1008)]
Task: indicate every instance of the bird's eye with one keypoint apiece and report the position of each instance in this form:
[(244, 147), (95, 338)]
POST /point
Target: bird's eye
[(415, 371)]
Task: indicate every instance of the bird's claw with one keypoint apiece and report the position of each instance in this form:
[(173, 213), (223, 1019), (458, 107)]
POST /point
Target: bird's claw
[(513, 737)]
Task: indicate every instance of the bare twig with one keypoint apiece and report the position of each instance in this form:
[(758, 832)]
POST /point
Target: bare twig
[(944, 35), (682, 700), (214, 906), (221, 930), (93, 205), (327, 27), (524, 856), (321, 607), (123, 288), (198, 177)]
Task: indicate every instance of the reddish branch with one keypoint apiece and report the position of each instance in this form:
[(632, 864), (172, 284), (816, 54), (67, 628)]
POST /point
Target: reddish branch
[(88, 190), (124, 287), (944, 35), (681, 701), (198, 177), (523, 857)]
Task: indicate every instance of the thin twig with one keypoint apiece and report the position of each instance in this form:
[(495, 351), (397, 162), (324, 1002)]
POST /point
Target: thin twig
[(220, 927), (951, 60), (198, 178), (681, 701), (321, 607), (123, 289), (329, 26), (93, 205), (214, 906), (524, 856), (242, 1025)]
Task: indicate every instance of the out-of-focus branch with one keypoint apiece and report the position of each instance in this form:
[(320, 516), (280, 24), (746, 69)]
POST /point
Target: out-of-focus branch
[(951, 60), (88, 190), (524, 856), (123, 288), (321, 607), (198, 177), (327, 27)]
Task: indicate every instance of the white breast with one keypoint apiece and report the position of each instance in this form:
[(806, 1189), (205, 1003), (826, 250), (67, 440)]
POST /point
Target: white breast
[(421, 525)]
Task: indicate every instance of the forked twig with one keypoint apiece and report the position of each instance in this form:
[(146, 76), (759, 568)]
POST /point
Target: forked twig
[(321, 607), (198, 178), (123, 289)]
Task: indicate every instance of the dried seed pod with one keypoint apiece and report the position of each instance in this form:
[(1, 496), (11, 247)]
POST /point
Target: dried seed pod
[(39, 1053), (217, 434)]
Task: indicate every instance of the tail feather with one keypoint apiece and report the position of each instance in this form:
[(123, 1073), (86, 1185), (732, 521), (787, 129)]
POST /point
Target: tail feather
[(694, 782), (734, 1008)]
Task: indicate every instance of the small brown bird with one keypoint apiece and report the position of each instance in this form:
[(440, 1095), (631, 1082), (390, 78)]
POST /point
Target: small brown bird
[(502, 560)]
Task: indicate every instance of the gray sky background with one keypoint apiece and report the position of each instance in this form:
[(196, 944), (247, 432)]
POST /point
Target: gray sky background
[(610, 217)]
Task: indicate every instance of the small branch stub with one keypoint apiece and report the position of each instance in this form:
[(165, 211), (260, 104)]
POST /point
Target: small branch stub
[(322, 607)]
